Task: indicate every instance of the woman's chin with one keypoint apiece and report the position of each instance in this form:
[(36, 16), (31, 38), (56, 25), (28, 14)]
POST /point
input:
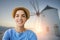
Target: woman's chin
[(19, 25)]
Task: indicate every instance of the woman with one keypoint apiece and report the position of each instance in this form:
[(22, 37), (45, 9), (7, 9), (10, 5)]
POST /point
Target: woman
[(20, 15)]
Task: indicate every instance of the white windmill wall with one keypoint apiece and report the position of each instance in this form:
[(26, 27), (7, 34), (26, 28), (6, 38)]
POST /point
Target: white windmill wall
[(43, 25), (50, 16)]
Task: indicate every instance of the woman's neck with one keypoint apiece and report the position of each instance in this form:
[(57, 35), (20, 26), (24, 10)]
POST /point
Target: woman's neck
[(20, 29)]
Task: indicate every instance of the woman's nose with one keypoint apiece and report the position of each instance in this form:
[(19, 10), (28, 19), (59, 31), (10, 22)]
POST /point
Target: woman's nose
[(20, 18)]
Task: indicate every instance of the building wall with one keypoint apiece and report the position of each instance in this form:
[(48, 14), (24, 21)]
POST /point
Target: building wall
[(51, 17)]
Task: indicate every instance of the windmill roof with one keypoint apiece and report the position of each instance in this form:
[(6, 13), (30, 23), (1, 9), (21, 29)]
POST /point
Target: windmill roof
[(48, 7)]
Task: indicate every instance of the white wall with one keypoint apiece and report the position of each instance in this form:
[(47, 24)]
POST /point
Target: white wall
[(51, 18)]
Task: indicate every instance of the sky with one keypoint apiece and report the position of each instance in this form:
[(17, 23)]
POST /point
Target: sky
[(7, 6)]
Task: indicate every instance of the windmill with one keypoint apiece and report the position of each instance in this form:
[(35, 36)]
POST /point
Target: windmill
[(39, 21), (35, 5)]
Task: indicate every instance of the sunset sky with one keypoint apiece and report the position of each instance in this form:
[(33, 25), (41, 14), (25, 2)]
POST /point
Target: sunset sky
[(6, 7)]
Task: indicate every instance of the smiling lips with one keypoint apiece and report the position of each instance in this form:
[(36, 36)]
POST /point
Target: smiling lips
[(20, 21)]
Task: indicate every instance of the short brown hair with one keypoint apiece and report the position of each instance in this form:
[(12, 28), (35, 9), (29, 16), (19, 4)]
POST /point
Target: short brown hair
[(21, 8)]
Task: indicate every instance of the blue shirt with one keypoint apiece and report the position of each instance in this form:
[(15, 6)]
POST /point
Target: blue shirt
[(11, 34)]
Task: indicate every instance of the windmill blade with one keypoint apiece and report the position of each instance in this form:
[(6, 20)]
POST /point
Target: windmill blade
[(37, 4), (33, 14), (33, 5)]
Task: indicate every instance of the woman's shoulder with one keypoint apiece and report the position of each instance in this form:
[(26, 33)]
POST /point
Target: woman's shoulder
[(30, 32), (8, 30)]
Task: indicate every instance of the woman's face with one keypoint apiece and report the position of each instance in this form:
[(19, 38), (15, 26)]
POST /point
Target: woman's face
[(20, 18)]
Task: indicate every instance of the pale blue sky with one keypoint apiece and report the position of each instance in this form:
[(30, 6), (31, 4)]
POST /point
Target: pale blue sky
[(6, 7)]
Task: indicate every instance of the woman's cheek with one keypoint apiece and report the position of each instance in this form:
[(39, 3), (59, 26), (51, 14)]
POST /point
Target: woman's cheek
[(16, 20)]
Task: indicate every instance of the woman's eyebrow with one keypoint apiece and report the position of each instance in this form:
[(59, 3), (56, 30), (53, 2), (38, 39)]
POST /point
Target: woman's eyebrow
[(16, 14), (23, 14)]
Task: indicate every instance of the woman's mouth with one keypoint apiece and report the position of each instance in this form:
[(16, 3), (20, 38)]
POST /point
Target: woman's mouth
[(20, 22)]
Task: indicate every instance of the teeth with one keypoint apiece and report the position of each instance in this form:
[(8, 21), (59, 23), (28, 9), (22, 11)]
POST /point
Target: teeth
[(19, 21)]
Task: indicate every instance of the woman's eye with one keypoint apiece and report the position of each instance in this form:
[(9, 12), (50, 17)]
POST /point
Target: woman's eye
[(17, 15), (23, 15)]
